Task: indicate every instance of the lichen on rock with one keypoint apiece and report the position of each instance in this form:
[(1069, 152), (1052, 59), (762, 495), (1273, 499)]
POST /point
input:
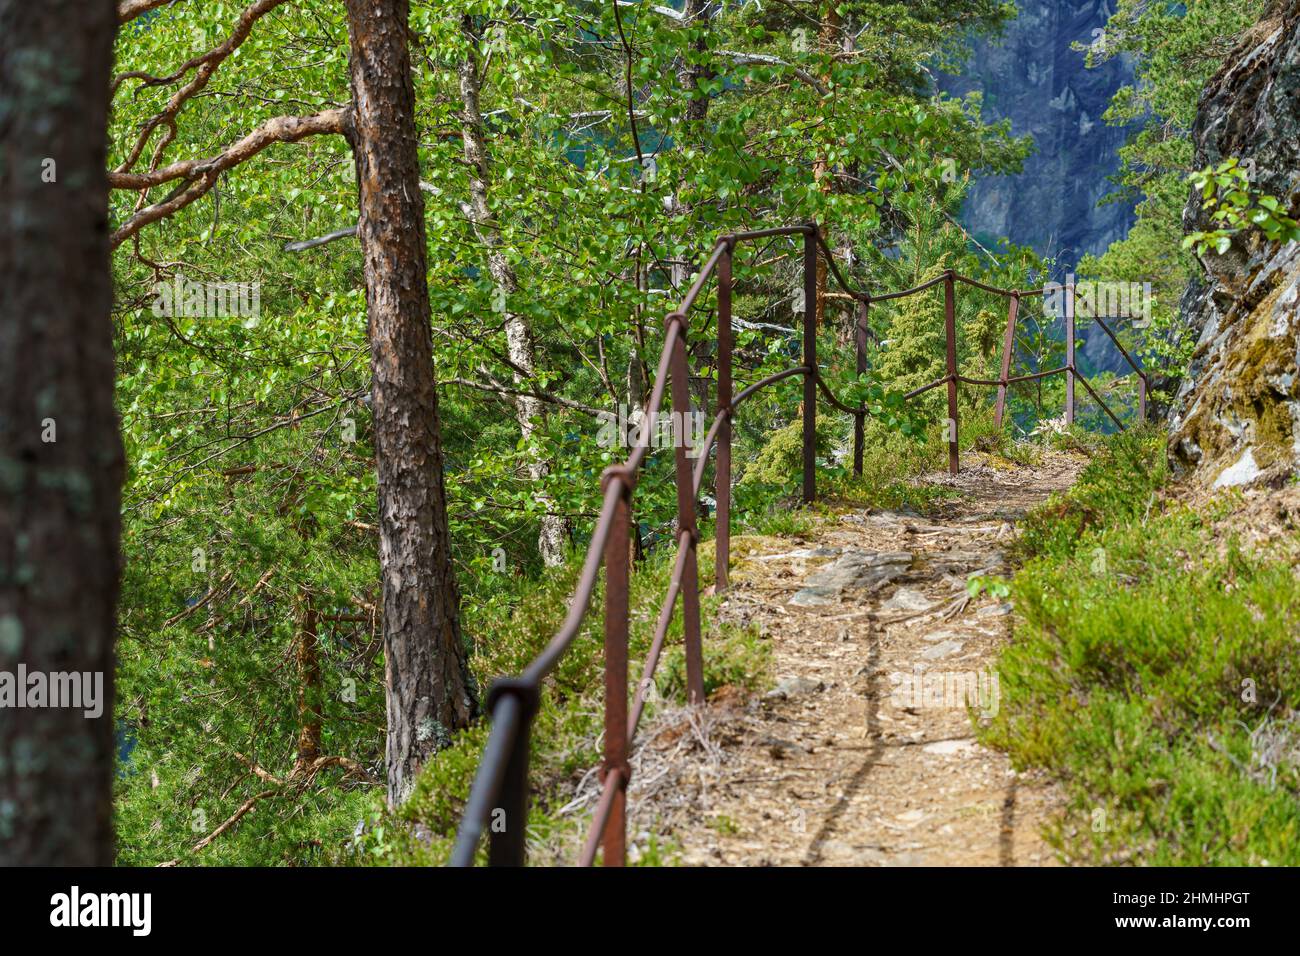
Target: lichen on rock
[(1236, 417)]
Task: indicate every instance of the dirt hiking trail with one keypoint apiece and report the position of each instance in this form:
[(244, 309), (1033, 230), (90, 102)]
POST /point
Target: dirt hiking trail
[(864, 753)]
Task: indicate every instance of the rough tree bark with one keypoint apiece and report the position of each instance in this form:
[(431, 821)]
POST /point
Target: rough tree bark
[(521, 347), (61, 461), (430, 688), (307, 656)]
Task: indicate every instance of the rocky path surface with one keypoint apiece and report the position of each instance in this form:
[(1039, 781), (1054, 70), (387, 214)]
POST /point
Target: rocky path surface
[(864, 753)]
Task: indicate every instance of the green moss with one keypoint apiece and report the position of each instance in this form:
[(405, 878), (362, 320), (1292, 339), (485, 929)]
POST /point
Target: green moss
[(1273, 442), (1245, 390)]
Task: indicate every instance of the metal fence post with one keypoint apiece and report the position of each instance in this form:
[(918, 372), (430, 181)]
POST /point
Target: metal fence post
[(1069, 353), (722, 467), (810, 362), (860, 347), (508, 822), (1142, 399), (616, 624), (686, 517), (1008, 343), (950, 334)]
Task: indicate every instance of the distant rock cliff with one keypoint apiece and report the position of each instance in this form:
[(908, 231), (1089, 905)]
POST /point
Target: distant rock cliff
[(1236, 418), (1034, 77)]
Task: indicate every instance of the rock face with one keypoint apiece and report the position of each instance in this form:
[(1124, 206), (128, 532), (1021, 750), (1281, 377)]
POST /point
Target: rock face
[(1236, 417), (1033, 76)]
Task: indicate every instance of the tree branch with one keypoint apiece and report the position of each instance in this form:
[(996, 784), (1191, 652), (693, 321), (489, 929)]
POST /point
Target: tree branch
[(232, 820), (764, 59), (668, 12), (499, 389), (200, 603), (199, 175), (207, 64), (242, 28), (128, 10), (305, 244)]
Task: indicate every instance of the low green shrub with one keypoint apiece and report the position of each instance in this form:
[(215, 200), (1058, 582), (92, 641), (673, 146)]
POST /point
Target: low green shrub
[(1154, 671), (1118, 485)]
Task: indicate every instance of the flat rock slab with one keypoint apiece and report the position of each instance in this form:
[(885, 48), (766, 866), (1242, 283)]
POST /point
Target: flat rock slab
[(816, 596), (803, 553), (888, 518), (942, 649), (962, 561), (906, 599), (795, 687), (855, 569), (951, 748)]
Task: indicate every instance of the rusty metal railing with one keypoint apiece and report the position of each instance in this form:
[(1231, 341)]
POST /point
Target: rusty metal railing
[(498, 800)]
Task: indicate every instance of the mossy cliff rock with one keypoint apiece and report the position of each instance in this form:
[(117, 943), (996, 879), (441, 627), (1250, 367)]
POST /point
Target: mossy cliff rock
[(1236, 417)]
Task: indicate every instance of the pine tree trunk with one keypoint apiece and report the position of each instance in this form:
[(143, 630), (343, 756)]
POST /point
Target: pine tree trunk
[(307, 655), (61, 462), (430, 689)]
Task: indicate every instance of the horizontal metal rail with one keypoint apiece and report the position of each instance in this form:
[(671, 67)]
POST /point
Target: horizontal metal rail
[(1012, 380), (498, 799)]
